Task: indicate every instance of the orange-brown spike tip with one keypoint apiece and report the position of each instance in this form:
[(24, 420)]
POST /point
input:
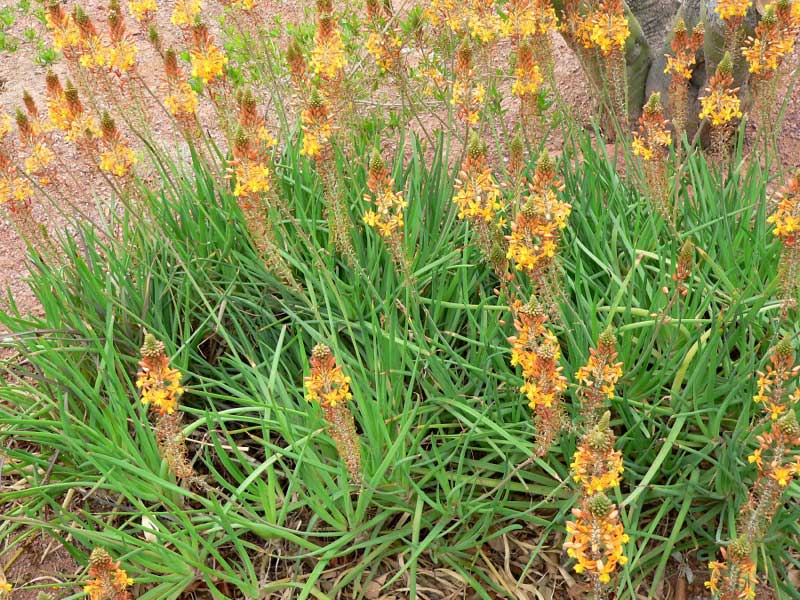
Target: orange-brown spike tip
[(530, 208), (464, 58), (316, 100), (171, 63), (152, 347), (517, 146), (680, 26), (153, 36), (30, 103), (53, 83), (22, 120), (241, 143)]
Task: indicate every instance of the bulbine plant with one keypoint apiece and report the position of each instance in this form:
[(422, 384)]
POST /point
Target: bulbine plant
[(408, 181)]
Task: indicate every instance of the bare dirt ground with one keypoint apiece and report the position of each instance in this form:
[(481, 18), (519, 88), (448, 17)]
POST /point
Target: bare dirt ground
[(41, 561)]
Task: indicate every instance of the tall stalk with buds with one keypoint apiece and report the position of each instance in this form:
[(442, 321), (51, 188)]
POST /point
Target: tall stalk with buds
[(721, 106), (536, 351), (651, 144), (777, 459), (536, 233), (786, 227), (161, 389), (680, 66), (328, 386), (108, 580), (596, 538)]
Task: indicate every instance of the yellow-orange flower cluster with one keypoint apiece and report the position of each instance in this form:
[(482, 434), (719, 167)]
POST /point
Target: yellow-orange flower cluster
[(596, 466), (327, 384), (732, 10), (64, 31), (786, 218), (181, 100), (330, 387), (536, 232), (208, 61), (385, 48), (772, 384), (595, 539), (535, 349), (721, 103), (598, 378), (118, 158), (388, 215), (160, 385), (477, 193), (734, 578), (317, 127), (605, 28), (527, 18), (527, 75), (684, 50), (778, 462), (108, 580), (143, 10), (185, 13), (478, 18), (328, 58), (773, 42), (653, 138)]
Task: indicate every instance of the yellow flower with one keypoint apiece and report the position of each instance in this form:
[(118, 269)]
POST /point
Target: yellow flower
[(327, 384), (720, 106), (253, 177), (182, 102), (122, 55), (142, 9), (208, 62), (82, 127), (328, 56), (185, 12), (782, 474), (732, 9), (64, 32), (786, 217), (118, 160), (595, 539), (608, 27), (5, 124), (160, 385), (94, 53), (40, 157), (14, 189)]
